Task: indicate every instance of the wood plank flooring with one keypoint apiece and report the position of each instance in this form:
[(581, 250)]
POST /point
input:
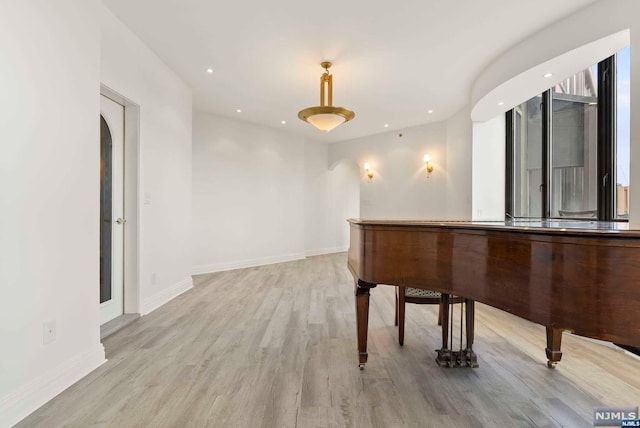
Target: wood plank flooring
[(116, 324), (275, 346)]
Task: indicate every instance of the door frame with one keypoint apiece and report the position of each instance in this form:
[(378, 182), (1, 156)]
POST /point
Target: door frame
[(131, 292)]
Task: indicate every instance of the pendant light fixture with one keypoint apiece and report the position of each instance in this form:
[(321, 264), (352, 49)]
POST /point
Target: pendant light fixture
[(326, 117)]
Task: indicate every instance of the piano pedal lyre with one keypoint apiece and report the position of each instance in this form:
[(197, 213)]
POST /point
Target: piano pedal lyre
[(463, 357), (448, 358)]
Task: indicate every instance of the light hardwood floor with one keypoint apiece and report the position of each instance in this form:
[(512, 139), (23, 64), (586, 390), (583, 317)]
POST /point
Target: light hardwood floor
[(275, 346)]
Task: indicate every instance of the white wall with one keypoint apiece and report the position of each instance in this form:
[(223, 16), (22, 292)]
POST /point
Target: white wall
[(49, 203), (330, 197), (489, 169), (459, 165), (400, 188), (264, 195), (248, 194), (132, 70)]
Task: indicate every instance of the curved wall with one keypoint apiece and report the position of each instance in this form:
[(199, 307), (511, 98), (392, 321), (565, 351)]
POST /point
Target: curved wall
[(600, 28), (594, 32), (532, 82)]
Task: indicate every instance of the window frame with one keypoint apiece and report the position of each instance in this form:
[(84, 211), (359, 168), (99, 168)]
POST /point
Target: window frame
[(605, 151)]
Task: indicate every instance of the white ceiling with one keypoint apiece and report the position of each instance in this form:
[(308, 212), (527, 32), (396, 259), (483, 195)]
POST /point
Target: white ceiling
[(393, 61)]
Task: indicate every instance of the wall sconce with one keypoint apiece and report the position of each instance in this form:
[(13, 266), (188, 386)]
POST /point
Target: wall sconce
[(367, 168), (427, 161)]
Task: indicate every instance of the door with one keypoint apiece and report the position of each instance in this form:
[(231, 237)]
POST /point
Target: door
[(112, 221)]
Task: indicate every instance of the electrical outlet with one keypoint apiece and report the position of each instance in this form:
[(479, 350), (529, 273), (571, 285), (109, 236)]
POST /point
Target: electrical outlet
[(147, 198), (48, 332), (153, 278)]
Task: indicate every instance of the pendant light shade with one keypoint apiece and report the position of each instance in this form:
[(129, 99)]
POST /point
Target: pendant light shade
[(326, 117)]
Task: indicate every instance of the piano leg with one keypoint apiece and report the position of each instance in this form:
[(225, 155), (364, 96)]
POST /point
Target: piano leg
[(445, 320), (470, 320), (444, 355), (554, 340), (470, 358), (401, 309), (362, 318)]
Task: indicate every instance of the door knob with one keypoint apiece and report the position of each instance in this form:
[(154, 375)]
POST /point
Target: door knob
[(120, 220)]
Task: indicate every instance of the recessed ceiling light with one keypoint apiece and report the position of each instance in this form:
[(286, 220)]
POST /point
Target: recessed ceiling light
[(548, 75), (238, 111), (386, 125), (284, 122), (500, 103), (210, 70), (430, 111)]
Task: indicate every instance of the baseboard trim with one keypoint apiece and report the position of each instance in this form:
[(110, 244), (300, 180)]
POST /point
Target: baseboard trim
[(154, 302), (23, 401), (240, 264), (322, 251)]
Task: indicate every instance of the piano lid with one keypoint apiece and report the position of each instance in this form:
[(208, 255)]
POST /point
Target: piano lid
[(553, 226)]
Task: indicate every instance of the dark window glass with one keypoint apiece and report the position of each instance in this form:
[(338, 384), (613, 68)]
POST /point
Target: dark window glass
[(106, 173)]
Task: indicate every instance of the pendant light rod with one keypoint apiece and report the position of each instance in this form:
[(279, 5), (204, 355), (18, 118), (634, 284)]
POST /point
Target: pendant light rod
[(326, 117), (326, 84)]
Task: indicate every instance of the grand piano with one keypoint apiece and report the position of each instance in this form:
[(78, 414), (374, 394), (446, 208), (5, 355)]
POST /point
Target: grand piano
[(579, 276)]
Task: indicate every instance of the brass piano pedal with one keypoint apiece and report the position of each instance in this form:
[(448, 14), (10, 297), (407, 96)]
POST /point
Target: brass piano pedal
[(448, 358), (468, 358), (444, 357)]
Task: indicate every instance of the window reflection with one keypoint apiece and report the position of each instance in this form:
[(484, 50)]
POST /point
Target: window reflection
[(527, 160), (574, 140), (623, 119)]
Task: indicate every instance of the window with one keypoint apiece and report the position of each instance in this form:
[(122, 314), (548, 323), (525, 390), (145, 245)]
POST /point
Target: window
[(563, 160), (574, 137), (623, 139), (527, 158)]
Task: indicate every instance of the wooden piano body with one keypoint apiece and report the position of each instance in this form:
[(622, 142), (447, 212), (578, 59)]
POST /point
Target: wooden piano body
[(565, 275)]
